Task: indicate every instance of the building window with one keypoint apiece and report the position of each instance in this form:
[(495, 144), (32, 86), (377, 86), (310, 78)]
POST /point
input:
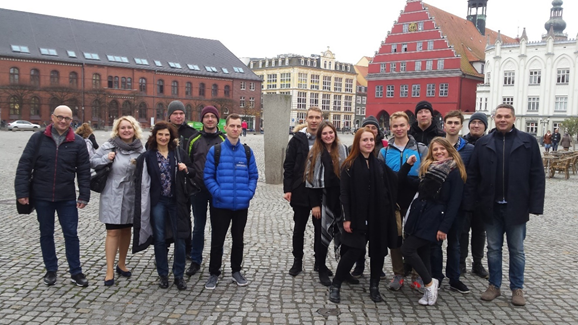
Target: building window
[(243, 85), (358, 100), (428, 65), (327, 83), (227, 91), (563, 76), (431, 90), (160, 87), (242, 102), (337, 102), (347, 103), (561, 104), (337, 84), (302, 80), (405, 28), (142, 85), (402, 67), (364, 100), (272, 80), (389, 91), (214, 90), (393, 48), (508, 100), (415, 90), (15, 106), (430, 45), (301, 100), (14, 76), (533, 104), (35, 106), (285, 80), (535, 77), (417, 65), (123, 83), (420, 26), (392, 67), (378, 91), (252, 86), (382, 68), (509, 77), (174, 88), (444, 90), (532, 127), (314, 100), (403, 90), (349, 85), (95, 80), (129, 83), (126, 108), (419, 46), (142, 111), (116, 82), (325, 102), (54, 78), (160, 113), (202, 89), (336, 120), (346, 121), (188, 89), (315, 81), (251, 102), (404, 47), (440, 64), (73, 79)]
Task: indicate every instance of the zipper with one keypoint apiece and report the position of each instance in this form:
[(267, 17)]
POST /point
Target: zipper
[(503, 168), (54, 180)]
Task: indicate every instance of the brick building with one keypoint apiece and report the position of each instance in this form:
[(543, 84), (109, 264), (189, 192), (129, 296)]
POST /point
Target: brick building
[(103, 71)]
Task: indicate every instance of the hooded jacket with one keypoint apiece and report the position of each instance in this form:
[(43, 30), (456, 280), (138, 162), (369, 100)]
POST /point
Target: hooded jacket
[(425, 136)]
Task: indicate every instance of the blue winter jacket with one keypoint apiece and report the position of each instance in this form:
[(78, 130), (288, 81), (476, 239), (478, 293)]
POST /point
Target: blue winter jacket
[(394, 158), (232, 184), (465, 149)]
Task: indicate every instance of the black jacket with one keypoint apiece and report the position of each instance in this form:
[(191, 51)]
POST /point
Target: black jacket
[(294, 169), (186, 133), (526, 178), (55, 168), (425, 136), (374, 205), (199, 147)]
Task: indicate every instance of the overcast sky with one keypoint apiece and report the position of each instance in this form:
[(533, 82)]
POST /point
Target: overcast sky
[(263, 28)]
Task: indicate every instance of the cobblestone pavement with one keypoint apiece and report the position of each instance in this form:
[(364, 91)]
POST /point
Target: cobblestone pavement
[(272, 295)]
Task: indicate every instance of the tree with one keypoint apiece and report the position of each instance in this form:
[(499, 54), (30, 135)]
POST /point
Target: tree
[(225, 106), (571, 126)]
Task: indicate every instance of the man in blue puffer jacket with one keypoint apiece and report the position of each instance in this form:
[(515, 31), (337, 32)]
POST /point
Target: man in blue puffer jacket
[(232, 183)]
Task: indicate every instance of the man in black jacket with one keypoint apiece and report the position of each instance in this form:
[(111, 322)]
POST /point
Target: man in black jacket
[(55, 157), (424, 130), (198, 147), (506, 176), (295, 192), (177, 116)]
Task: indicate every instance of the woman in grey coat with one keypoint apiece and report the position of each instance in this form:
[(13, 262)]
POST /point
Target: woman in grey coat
[(117, 199)]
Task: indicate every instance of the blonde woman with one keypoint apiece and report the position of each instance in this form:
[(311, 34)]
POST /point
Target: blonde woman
[(117, 199)]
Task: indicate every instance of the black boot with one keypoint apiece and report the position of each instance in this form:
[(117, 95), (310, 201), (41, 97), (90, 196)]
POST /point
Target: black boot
[(296, 268), (324, 278), (479, 270), (374, 291), (335, 294)]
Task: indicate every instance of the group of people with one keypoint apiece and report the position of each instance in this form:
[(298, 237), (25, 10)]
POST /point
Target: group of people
[(552, 140), (150, 187), (407, 195)]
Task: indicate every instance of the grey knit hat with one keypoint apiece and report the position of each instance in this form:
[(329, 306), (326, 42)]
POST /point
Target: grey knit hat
[(370, 120), (175, 105), (479, 116)]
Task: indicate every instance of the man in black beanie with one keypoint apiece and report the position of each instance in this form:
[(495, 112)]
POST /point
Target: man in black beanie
[(424, 130), (478, 125)]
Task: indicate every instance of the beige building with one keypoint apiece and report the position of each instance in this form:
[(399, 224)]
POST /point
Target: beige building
[(316, 80)]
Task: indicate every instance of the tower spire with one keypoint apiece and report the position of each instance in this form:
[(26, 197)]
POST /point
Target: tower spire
[(477, 14), (556, 22)]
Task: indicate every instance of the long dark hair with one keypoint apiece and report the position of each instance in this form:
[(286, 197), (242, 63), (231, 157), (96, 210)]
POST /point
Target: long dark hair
[(162, 125), (355, 151), (318, 148)]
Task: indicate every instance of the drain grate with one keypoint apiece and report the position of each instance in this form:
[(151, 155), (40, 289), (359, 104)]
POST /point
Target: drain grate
[(328, 312)]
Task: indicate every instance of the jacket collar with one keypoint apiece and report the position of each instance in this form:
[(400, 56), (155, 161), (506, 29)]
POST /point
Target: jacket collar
[(69, 136)]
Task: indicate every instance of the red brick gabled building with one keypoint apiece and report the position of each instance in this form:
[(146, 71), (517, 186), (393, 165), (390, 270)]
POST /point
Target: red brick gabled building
[(430, 55)]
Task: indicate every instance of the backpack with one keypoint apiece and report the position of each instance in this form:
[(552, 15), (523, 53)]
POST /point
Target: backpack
[(218, 154)]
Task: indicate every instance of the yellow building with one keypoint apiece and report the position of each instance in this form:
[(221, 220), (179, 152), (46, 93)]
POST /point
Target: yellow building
[(316, 80)]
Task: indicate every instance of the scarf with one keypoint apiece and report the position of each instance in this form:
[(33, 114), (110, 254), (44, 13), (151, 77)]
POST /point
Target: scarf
[(136, 144), (318, 180), (433, 180)]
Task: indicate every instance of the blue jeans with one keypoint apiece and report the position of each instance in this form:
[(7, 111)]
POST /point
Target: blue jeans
[(167, 208), (515, 235), (199, 203), (68, 218), (453, 253)]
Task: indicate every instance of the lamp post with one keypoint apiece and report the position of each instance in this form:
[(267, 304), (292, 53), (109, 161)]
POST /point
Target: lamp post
[(544, 123)]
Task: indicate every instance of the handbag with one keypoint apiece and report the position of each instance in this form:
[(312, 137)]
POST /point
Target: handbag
[(29, 208), (99, 176)]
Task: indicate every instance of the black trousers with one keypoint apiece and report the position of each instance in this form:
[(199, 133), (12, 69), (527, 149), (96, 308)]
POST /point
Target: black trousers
[(349, 256), (478, 241), (417, 252), (220, 221), (300, 217)]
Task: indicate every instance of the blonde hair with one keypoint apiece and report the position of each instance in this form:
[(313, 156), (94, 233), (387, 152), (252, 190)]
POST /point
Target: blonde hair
[(398, 115), (135, 125), (453, 153)]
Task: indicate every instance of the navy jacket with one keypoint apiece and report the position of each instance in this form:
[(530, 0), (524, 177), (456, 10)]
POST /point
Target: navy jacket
[(294, 169), (526, 179), (54, 169)]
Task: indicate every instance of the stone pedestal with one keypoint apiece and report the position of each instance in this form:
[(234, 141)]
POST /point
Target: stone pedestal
[(277, 112)]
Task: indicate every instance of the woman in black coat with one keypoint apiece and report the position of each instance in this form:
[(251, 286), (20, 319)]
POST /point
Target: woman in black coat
[(368, 196), (433, 211)]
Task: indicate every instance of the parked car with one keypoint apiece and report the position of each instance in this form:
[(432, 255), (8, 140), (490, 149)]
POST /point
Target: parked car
[(21, 125)]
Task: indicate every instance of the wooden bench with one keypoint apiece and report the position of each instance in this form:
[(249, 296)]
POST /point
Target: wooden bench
[(561, 165)]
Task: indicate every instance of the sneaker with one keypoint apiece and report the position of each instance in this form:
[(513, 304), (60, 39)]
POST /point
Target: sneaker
[(491, 293), (238, 278), (79, 279), (50, 278), (212, 282), (396, 283), (479, 270), (417, 284), (518, 297), (430, 294), (459, 286)]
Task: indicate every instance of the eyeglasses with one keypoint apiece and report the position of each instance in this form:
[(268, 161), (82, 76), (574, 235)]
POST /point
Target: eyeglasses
[(65, 118)]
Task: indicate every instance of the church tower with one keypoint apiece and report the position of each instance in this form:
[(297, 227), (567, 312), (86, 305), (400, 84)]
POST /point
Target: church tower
[(556, 24), (477, 14)]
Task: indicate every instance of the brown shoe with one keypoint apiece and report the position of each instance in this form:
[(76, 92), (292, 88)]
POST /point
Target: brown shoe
[(491, 293), (518, 297)]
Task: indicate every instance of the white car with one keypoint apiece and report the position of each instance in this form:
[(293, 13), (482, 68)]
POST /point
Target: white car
[(23, 126)]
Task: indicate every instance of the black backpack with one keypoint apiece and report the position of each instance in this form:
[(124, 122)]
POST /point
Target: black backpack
[(218, 154)]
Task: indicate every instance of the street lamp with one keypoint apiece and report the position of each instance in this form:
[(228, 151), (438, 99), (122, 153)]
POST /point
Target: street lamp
[(544, 123)]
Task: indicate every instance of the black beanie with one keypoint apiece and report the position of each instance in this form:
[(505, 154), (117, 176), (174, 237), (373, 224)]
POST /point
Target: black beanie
[(479, 116), (175, 105), (424, 104)]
